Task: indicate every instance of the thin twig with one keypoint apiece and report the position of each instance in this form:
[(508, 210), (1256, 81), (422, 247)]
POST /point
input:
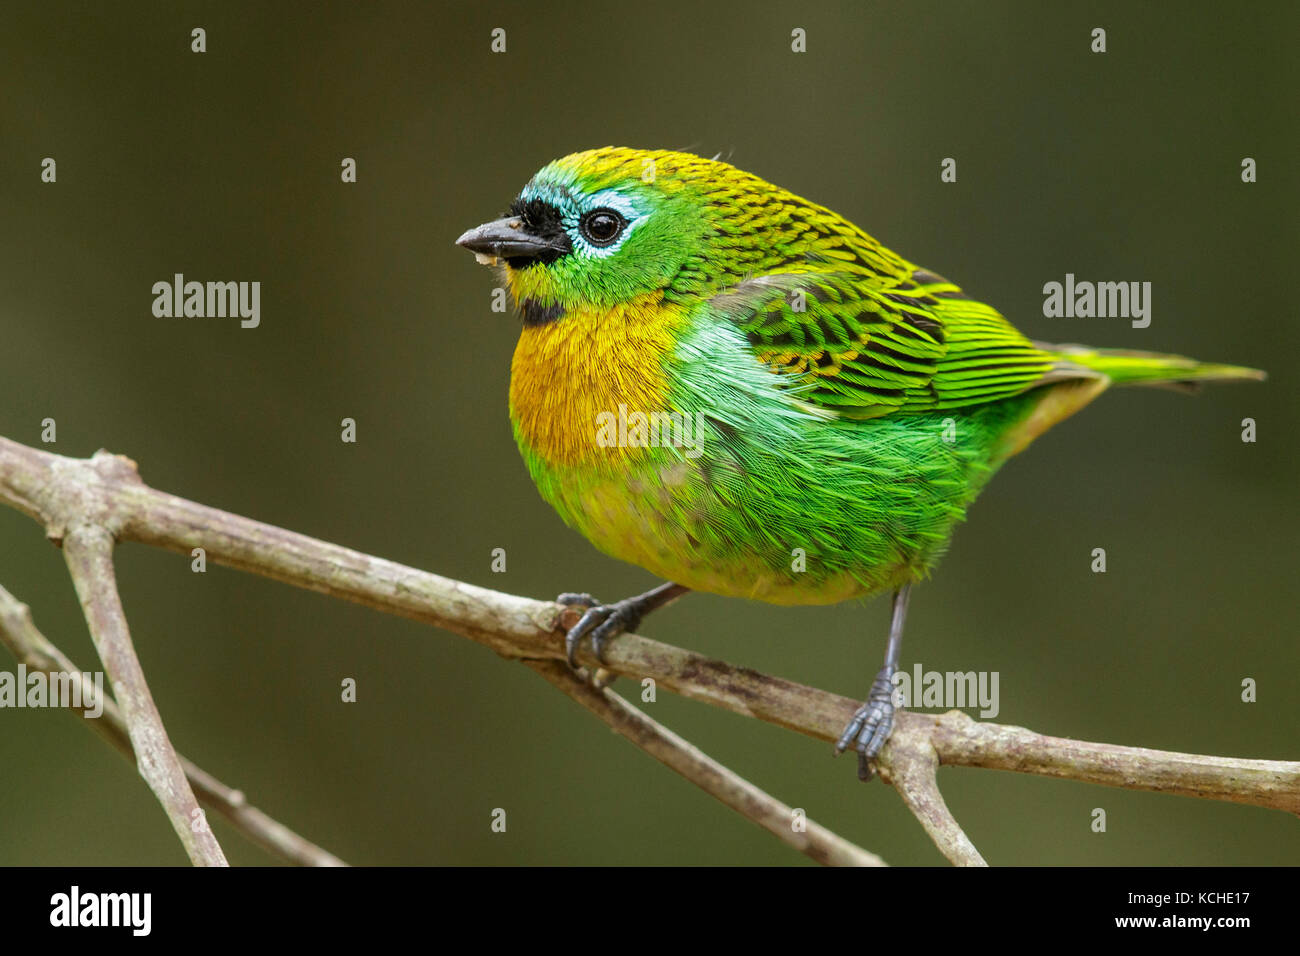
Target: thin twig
[(913, 771), (814, 840), (963, 742), (19, 633), (88, 550)]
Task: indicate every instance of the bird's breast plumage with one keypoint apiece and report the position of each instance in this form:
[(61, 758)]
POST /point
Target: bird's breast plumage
[(569, 374)]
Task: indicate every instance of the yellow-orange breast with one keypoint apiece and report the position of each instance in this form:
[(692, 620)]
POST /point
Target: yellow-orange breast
[(569, 371)]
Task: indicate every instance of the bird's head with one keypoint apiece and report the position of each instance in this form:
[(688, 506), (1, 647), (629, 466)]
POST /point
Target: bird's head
[(601, 227)]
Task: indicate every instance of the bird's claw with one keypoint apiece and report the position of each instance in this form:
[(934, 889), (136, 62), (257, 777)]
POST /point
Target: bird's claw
[(871, 724), (600, 622)]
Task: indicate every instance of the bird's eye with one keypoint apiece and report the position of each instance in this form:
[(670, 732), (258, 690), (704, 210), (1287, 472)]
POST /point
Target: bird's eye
[(600, 227)]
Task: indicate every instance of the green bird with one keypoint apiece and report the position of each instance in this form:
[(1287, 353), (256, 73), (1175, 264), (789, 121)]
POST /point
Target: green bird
[(744, 393)]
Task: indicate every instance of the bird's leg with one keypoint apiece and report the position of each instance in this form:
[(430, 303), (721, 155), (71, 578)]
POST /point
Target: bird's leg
[(873, 721), (605, 621)]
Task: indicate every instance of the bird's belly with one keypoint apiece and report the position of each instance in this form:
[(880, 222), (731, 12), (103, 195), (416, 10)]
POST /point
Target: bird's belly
[(659, 520), (785, 524)]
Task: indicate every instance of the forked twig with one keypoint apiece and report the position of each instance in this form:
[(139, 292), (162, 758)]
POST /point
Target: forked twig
[(89, 553), (19, 633), (809, 838), (105, 491)]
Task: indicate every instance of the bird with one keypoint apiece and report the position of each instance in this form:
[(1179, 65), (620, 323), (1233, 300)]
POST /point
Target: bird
[(744, 393)]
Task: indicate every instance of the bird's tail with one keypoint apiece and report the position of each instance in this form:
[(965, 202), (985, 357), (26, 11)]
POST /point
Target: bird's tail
[(1125, 367)]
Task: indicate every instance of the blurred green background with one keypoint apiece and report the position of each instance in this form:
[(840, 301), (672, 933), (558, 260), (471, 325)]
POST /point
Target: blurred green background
[(225, 166)]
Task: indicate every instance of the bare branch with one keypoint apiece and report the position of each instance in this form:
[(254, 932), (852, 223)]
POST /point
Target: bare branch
[(88, 550), (961, 741), (913, 772), (19, 633), (56, 491), (815, 841)]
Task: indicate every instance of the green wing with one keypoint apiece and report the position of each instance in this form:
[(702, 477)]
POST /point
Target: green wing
[(861, 351)]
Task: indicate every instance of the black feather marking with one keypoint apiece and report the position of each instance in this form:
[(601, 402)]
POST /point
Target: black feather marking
[(534, 313), (873, 345), (914, 332), (881, 392), (926, 324), (540, 219), (829, 334), (869, 318), (866, 361)]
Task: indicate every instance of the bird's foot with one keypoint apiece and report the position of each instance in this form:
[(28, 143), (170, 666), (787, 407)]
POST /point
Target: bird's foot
[(871, 724), (600, 622)]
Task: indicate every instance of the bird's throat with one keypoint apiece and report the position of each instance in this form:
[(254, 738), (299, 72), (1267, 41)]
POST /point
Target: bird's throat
[(586, 363)]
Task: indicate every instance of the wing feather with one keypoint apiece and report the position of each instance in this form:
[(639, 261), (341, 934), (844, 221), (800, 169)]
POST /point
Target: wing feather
[(860, 350)]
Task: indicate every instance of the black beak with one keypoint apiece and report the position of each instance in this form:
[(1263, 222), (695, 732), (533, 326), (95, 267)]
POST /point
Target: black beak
[(507, 239)]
